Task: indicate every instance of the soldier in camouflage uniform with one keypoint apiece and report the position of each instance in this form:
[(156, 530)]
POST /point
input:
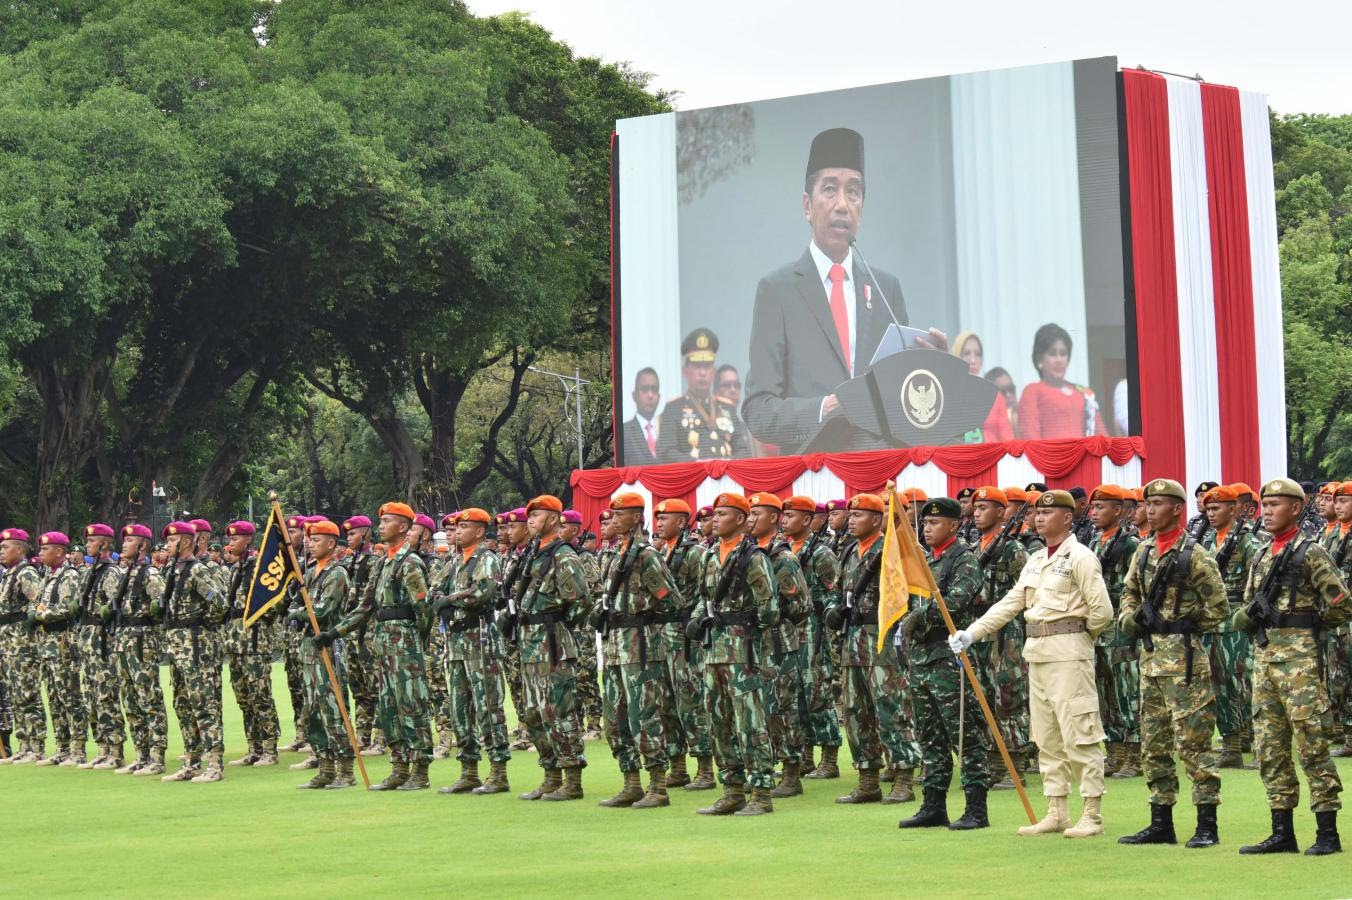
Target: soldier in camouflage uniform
[(1117, 664), (52, 616), (786, 664), (434, 642), (1293, 593), (821, 569), (98, 670), (1231, 651), (1338, 642), (998, 659), (138, 641), (876, 692), (513, 525), (194, 606), (588, 683), (554, 597), (936, 681), (1174, 593), (291, 654), (738, 604), (637, 600), (250, 651), (464, 602), (968, 532), (360, 667), (396, 601), (327, 585), (19, 669)]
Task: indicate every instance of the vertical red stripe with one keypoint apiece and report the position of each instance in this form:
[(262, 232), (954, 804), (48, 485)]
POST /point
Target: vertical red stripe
[(1232, 283), (1153, 267)]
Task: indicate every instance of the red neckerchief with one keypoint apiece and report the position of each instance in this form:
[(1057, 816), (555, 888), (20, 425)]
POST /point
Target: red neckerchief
[(866, 543), (1279, 541), (939, 551), (1164, 542)]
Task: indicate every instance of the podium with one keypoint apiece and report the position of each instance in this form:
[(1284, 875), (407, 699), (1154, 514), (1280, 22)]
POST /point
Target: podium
[(913, 398)]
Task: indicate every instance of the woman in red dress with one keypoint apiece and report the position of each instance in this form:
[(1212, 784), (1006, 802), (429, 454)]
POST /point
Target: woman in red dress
[(996, 427), (1054, 407)]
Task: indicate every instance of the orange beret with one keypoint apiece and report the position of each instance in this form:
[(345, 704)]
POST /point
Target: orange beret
[(914, 495), (991, 495), (672, 506), (547, 502), (1033, 495), (627, 500), (1344, 489), (799, 503), (869, 502), (1241, 489), (1015, 494), (1221, 493), (324, 527), (1108, 492), (475, 514), (1138, 494), (764, 498), (395, 508), (1330, 488), (732, 501)]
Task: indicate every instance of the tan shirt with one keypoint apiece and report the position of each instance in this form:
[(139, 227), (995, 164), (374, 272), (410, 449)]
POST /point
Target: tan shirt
[(1069, 585)]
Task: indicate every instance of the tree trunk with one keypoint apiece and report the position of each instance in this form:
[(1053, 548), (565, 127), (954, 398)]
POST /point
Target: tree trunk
[(233, 450), (68, 431)]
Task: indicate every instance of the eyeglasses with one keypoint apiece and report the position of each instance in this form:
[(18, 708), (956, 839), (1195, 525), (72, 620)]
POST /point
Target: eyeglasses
[(727, 385)]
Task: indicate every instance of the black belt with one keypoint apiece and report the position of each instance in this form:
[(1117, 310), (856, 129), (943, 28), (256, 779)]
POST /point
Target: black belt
[(1298, 620), (859, 616), (671, 618), (56, 627), (474, 621), (183, 623), (91, 620), (639, 621), (544, 618), (13, 618), (746, 618), (401, 613), (137, 622)]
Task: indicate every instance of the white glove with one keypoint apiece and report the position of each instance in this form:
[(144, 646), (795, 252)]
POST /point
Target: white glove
[(960, 641)]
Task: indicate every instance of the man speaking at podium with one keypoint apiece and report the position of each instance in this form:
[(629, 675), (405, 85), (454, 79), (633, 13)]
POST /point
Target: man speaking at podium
[(818, 321)]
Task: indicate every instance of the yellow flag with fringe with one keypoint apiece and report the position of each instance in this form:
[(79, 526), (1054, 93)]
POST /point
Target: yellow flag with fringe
[(903, 572)]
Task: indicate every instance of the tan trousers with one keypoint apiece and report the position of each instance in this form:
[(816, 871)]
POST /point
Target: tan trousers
[(1064, 713)]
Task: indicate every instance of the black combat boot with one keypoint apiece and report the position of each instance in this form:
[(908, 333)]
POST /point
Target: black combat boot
[(1326, 840), (1159, 831), (933, 812), (1206, 835), (974, 816), (1282, 839)]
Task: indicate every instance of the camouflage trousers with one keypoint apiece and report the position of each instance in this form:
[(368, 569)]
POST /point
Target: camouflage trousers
[(879, 718), (195, 673), (22, 675), (476, 688), (98, 677), (321, 720), (1003, 675), (549, 713), (634, 696), (821, 686), (438, 659), (685, 715), (1231, 656), (588, 684), (1290, 703), (1177, 717), (1338, 673), (137, 652), (251, 683), (402, 696), (736, 696), (938, 721), (361, 681), (6, 711), (786, 675), (1117, 675), (511, 667), (59, 659), (295, 666)]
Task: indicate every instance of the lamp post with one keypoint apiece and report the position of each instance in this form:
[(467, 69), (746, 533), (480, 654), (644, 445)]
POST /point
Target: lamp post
[(572, 390)]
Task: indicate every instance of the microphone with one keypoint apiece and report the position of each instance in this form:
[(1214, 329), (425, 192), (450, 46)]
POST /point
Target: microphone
[(869, 271)]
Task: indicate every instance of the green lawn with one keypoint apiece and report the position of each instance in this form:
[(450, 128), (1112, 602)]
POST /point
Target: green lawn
[(69, 832)]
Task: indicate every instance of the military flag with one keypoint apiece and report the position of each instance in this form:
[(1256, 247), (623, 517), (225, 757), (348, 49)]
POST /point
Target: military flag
[(274, 569), (903, 572)]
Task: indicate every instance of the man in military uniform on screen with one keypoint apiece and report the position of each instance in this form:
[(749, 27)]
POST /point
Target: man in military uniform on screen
[(699, 425)]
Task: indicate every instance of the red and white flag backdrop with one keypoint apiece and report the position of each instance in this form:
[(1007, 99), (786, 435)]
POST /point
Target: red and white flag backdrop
[(1208, 308)]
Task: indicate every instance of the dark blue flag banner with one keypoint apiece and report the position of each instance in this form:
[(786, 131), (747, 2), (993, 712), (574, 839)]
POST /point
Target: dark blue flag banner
[(273, 569)]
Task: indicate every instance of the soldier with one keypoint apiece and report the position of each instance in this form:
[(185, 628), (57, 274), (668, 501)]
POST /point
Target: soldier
[(737, 604), (513, 523), (358, 664), (1248, 510), (97, 587), (396, 599), (968, 533), (327, 585), (704, 522), (821, 569), (1329, 531), (1231, 651), (553, 597), (700, 424), (138, 641), (1083, 526), (875, 690), (588, 685), (1173, 594), (1130, 503), (687, 716), (936, 682), (1018, 510), (438, 664), (1139, 518), (1065, 602), (250, 651), (1197, 525), (998, 660), (291, 655), (1117, 666), (465, 598), (51, 616), (1292, 594), (838, 520), (193, 607), (1338, 642)]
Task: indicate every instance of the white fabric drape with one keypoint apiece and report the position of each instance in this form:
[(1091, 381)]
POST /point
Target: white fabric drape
[(820, 486), (929, 478), (1127, 475), (1016, 471), (712, 487)]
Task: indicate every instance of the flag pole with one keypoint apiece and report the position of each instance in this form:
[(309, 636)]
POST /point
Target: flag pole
[(981, 698), (323, 651)]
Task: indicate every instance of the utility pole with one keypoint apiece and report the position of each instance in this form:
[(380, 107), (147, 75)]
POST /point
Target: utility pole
[(572, 391)]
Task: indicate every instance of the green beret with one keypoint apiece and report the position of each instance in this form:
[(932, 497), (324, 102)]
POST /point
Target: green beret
[(1165, 487), (1283, 487), (943, 508), (1056, 500)]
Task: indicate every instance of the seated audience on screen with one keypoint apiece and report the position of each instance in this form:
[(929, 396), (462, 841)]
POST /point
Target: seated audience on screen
[(1009, 392), (996, 427), (641, 432), (1054, 407)]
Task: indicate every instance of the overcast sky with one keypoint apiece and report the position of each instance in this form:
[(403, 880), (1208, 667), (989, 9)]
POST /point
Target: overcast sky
[(1298, 52)]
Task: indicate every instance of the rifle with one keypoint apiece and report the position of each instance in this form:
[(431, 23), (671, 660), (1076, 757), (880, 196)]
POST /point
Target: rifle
[(1262, 609), (516, 581), (1197, 527), (721, 590), (1148, 616), (618, 576)]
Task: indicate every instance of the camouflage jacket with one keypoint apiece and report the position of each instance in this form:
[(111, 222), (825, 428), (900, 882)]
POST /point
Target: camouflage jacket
[(328, 588), (646, 595), (96, 590), (58, 599), (795, 599), (822, 570), (998, 576), (554, 596), (1194, 599), (138, 586), (1317, 589), (1234, 556), (1329, 536), (472, 585), (1340, 548), (19, 586), (360, 565), (684, 558), (193, 595), (591, 567), (859, 597), (1114, 554), (749, 606), (958, 574), (399, 584)]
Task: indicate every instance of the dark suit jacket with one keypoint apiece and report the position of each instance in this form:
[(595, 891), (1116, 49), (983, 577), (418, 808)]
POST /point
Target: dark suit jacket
[(795, 353), (636, 444)]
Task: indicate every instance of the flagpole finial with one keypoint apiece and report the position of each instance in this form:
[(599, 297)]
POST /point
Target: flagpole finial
[(272, 495)]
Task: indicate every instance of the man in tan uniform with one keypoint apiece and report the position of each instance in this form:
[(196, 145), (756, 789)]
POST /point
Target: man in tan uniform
[(1065, 603)]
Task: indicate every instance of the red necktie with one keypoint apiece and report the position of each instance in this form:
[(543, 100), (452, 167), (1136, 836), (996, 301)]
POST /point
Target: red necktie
[(837, 276), (652, 440)]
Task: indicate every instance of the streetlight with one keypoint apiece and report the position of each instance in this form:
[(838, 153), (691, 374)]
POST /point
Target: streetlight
[(572, 390)]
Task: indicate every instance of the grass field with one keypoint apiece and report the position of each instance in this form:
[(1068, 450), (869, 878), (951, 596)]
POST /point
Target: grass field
[(71, 832)]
